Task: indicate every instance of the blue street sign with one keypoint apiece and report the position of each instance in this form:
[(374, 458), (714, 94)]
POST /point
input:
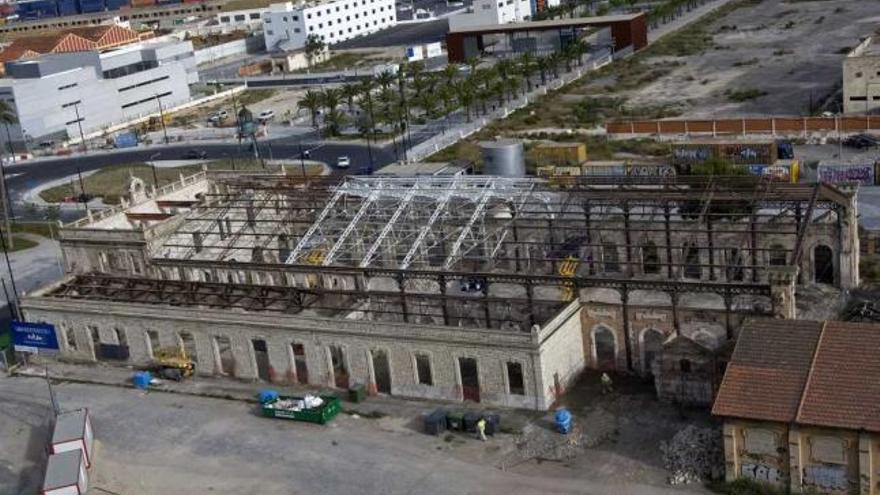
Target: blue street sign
[(30, 337)]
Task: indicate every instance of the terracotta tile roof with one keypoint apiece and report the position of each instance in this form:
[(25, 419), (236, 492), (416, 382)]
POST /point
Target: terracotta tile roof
[(843, 389), (93, 33), (47, 43), (768, 370)]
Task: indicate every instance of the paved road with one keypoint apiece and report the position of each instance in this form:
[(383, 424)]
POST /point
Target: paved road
[(24, 177)]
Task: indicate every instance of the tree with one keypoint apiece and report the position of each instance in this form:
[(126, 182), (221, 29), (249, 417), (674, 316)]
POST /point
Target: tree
[(312, 102), (543, 65), (465, 91), (330, 98), (7, 117), (365, 88), (314, 47), (349, 93), (527, 68)]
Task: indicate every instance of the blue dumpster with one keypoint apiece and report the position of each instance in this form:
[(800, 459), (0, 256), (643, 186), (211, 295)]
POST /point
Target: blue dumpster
[(563, 421)]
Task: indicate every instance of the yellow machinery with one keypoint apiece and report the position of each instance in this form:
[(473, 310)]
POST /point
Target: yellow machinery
[(173, 363), (568, 268)]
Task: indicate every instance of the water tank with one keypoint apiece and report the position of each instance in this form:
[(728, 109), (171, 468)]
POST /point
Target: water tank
[(503, 158)]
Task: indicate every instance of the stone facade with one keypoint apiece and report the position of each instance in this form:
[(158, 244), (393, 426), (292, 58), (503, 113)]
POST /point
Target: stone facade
[(806, 459), (547, 358)]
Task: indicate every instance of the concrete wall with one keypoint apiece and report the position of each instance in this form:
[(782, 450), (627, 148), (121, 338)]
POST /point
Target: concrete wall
[(756, 450), (561, 355), (251, 44)]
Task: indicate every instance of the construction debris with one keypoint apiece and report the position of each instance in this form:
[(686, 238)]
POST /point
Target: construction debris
[(693, 455)]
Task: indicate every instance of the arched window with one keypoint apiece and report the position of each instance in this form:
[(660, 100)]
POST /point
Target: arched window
[(652, 346), (604, 347), (650, 258), (823, 265)]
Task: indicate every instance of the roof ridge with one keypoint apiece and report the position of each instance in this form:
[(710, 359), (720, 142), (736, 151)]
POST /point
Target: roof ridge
[(808, 381)]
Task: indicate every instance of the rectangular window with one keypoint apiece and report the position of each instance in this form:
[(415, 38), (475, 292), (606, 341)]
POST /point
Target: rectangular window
[(255, 16), (67, 86), (269, 32), (144, 83), (224, 19), (239, 18), (145, 100), (423, 370), (295, 18), (295, 30), (858, 98), (515, 383)]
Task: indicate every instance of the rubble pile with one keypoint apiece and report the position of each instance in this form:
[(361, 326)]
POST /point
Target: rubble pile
[(693, 455)]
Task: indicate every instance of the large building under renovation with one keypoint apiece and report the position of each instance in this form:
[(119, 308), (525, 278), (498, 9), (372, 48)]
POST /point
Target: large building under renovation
[(500, 290)]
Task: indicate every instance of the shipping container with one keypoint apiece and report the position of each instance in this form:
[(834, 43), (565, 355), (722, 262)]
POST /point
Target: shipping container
[(740, 153), (560, 153), (167, 2), (117, 4), (650, 170), (67, 7), (618, 170), (90, 6), (781, 171), (142, 3), (846, 173), (36, 9)]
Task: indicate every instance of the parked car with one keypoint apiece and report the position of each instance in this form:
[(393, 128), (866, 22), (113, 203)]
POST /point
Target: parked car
[(861, 141), (195, 155), (343, 162), (219, 116), (266, 115)]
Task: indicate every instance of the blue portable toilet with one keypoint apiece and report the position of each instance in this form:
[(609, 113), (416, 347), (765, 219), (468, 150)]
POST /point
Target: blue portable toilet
[(563, 421), (142, 379)]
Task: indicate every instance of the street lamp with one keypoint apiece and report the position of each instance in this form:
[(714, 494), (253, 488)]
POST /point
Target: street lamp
[(162, 117), (82, 137), (153, 166), (303, 154)]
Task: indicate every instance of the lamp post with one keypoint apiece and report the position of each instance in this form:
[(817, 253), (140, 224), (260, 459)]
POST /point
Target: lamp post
[(162, 117), (153, 167), (303, 154), (82, 137)]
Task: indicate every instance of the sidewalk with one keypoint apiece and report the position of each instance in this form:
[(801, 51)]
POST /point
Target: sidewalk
[(244, 391), (687, 18)]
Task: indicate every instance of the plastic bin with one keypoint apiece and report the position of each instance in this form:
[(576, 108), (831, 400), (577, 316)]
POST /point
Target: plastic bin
[(493, 423), (357, 393), (563, 421), (435, 423), (469, 422), (142, 379), (454, 420)]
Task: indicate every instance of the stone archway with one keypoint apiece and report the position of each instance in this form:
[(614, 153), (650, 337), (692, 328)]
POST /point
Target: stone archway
[(604, 348), (823, 265)]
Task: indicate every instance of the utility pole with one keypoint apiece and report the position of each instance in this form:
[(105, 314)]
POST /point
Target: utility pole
[(302, 159), (82, 137), (153, 166), (162, 117), (11, 276), (7, 202), (84, 199)]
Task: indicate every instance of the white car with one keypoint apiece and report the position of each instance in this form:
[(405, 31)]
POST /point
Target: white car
[(343, 162), (266, 115), (219, 116)]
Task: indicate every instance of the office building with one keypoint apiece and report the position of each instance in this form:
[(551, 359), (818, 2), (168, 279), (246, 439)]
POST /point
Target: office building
[(491, 13), (287, 25)]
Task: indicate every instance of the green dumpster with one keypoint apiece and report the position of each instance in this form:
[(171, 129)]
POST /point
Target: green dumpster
[(357, 393), (320, 415)]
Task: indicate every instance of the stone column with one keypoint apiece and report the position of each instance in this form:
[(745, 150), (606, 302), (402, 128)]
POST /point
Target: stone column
[(731, 451), (866, 464), (782, 280), (796, 447)]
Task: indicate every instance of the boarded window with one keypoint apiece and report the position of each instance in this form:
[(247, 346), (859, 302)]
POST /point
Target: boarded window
[(423, 369), (299, 363), (684, 365), (225, 361), (515, 383), (261, 358), (188, 345), (827, 449), (69, 336), (650, 258), (777, 255), (609, 257), (760, 441)]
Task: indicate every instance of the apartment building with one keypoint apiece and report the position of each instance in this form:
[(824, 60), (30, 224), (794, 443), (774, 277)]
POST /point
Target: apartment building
[(286, 26), (55, 94)]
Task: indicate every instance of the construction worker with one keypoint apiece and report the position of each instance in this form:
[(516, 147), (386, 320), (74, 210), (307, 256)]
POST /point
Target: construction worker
[(481, 428), (607, 385)]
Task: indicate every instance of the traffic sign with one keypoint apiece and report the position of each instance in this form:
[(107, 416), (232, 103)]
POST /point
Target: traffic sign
[(31, 337)]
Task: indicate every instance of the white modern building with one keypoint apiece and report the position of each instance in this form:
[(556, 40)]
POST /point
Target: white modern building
[(247, 20), (287, 25), (861, 78), (55, 94), (492, 12)]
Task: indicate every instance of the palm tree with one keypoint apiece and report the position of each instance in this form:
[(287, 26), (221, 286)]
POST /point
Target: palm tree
[(527, 68), (543, 65), (312, 102), (349, 93), (448, 97), (365, 88), (385, 80), (472, 62), (330, 98), (465, 91), (7, 117), (449, 73)]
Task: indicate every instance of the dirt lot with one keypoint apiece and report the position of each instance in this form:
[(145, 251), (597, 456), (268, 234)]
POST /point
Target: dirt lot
[(159, 443), (775, 56)]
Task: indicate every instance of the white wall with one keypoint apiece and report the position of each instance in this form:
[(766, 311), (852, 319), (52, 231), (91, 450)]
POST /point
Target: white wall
[(492, 12)]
